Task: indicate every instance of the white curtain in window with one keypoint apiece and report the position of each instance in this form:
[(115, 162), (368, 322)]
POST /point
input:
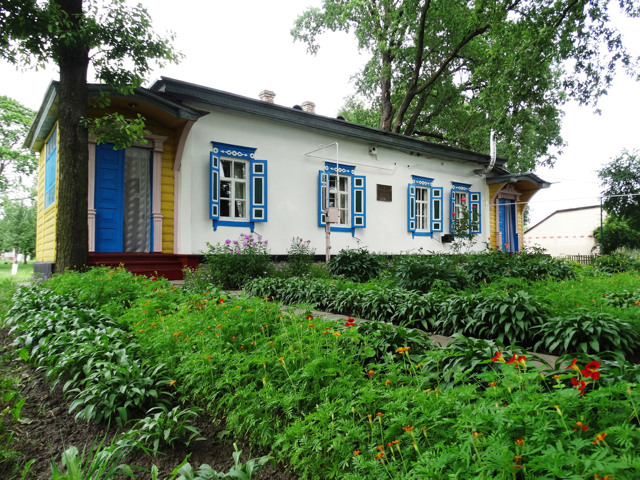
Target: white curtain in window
[(137, 200)]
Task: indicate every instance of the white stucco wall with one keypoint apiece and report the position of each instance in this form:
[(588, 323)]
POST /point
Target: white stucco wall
[(293, 187), (566, 232)]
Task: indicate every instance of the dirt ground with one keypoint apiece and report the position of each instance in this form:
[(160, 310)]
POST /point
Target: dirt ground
[(48, 429)]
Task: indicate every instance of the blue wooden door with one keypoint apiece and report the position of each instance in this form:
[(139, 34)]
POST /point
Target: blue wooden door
[(507, 225), (109, 198)]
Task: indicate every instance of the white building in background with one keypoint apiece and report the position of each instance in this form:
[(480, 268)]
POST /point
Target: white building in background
[(566, 232)]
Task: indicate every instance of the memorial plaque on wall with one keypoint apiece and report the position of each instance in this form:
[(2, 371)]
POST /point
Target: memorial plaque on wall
[(384, 193)]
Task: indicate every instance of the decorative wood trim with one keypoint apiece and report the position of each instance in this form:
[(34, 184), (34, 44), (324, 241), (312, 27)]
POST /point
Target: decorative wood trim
[(91, 211)]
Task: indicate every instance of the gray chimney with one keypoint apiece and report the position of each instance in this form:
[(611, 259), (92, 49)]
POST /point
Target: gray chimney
[(267, 96), (309, 107)]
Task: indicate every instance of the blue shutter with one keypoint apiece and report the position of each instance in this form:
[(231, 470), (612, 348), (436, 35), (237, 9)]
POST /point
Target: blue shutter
[(214, 187), (452, 209), (437, 201), (358, 202), (411, 207), (323, 180), (475, 213), (258, 187), (50, 168)]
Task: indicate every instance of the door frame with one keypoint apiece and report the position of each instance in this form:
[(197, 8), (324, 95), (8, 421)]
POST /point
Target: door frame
[(156, 143)]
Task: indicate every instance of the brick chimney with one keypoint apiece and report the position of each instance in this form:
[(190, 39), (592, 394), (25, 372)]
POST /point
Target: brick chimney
[(267, 96), (309, 107)]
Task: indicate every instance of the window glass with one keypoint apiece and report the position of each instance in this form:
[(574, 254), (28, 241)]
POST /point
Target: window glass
[(422, 209), (233, 189)]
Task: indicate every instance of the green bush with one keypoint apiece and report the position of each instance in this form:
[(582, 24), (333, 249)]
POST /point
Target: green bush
[(586, 331), (300, 256), (616, 262), (508, 317), (232, 263), (357, 265), (424, 272)]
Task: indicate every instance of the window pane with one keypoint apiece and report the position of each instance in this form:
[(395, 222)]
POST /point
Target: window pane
[(358, 199), (225, 189), (224, 208), (226, 168), (240, 208), (436, 210), (241, 191), (239, 170)]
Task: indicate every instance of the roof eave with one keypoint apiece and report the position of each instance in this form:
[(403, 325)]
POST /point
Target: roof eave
[(178, 89)]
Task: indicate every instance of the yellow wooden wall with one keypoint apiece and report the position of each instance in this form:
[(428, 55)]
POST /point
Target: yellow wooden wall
[(46, 219), (167, 193), (493, 221)]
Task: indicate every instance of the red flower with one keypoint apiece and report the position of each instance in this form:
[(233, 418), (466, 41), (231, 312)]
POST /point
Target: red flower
[(350, 322), (599, 438), (517, 360), (581, 384), (582, 426), (573, 365), (309, 317), (520, 442), (497, 358), (591, 370)]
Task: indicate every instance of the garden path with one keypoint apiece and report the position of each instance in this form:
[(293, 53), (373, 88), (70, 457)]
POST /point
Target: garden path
[(542, 359)]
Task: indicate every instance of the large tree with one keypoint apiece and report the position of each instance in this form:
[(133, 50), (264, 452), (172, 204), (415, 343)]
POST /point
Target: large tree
[(620, 181), (450, 71), (14, 160), (120, 43)]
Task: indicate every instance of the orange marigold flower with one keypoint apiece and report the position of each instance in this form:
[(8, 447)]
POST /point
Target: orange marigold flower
[(582, 426), (370, 373), (408, 428), (379, 414), (172, 382), (520, 442), (337, 334), (599, 438), (493, 384), (311, 325), (281, 359), (379, 456), (476, 434), (208, 357), (380, 448), (387, 382), (356, 453)]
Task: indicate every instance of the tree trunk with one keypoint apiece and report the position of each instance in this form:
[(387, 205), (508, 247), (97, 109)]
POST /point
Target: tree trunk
[(386, 107), (72, 238)]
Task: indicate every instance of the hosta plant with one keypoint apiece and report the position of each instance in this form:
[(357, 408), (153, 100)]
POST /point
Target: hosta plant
[(165, 427), (586, 331)]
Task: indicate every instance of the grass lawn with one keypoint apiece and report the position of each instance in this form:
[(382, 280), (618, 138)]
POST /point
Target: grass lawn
[(25, 271)]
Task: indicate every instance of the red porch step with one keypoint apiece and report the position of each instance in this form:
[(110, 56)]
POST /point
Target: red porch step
[(167, 265)]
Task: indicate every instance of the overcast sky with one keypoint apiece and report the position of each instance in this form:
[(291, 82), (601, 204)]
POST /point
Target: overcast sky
[(244, 46)]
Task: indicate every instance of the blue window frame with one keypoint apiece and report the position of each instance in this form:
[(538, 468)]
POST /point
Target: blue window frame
[(51, 152), (347, 192), (465, 210), (237, 186), (424, 207)]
